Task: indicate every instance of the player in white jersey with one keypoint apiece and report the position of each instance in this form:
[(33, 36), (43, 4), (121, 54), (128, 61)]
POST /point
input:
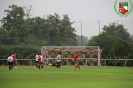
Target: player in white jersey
[(10, 62), (58, 60)]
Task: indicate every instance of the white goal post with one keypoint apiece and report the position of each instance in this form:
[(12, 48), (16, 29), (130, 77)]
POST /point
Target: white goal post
[(84, 52)]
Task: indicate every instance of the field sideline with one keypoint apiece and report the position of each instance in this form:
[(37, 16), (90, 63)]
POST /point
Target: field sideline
[(87, 77)]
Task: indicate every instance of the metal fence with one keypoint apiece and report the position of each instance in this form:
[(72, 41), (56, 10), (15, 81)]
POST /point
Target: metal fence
[(70, 62)]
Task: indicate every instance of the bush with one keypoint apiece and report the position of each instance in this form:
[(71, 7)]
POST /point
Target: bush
[(23, 52)]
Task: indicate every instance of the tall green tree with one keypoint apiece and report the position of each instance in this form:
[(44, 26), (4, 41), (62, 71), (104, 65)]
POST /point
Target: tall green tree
[(15, 24), (4, 33), (117, 30), (34, 30), (83, 41), (60, 31), (113, 42), (14, 20)]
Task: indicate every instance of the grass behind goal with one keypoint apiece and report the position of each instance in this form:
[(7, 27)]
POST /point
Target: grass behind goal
[(87, 77)]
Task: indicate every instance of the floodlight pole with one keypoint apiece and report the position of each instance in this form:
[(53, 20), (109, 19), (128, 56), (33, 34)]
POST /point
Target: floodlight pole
[(98, 64), (99, 33), (1, 23), (81, 34), (99, 46)]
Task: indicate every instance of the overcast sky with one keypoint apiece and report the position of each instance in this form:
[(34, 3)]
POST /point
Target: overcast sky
[(87, 11)]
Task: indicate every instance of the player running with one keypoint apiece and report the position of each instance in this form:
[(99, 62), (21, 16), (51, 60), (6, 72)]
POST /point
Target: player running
[(75, 56), (10, 62), (14, 60)]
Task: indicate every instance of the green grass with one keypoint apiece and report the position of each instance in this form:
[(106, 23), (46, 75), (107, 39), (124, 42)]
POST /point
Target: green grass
[(87, 77)]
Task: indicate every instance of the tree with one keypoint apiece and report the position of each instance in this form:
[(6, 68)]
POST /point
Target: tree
[(60, 31), (33, 31), (3, 33), (84, 40), (113, 42), (118, 31), (14, 19)]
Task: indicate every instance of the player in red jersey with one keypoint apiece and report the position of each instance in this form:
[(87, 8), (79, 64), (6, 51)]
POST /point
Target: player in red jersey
[(75, 56), (40, 61), (14, 60)]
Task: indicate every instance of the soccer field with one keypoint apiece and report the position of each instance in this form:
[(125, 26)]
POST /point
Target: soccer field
[(87, 77)]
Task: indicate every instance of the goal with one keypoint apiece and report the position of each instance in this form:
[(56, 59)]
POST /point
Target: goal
[(88, 55)]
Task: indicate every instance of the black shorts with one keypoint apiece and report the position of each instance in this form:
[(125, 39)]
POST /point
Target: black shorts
[(58, 63), (36, 62), (10, 63)]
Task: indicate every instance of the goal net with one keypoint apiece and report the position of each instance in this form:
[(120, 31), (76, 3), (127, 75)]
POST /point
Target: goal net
[(88, 55)]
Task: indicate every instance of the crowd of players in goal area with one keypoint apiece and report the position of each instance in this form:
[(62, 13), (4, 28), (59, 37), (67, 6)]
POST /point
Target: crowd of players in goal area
[(12, 61)]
